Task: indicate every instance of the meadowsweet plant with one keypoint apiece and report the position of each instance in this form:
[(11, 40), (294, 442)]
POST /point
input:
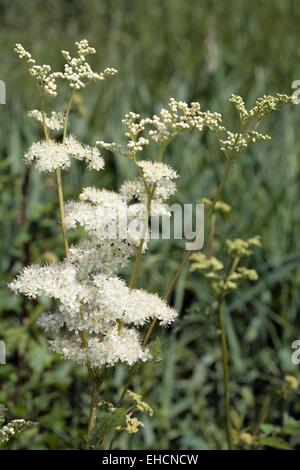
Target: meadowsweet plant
[(223, 279), (50, 155), (99, 316), (11, 429)]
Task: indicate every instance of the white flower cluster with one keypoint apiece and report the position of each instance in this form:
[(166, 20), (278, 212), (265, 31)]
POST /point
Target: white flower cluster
[(110, 222), (236, 142), (45, 78), (92, 299), (55, 122), (134, 126), (157, 179), (48, 156), (180, 116), (156, 173), (100, 305), (111, 146), (77, 70), (263, 106), (14, 428)]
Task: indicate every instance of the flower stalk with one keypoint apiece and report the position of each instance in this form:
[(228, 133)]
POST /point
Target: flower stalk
[(225, 366)]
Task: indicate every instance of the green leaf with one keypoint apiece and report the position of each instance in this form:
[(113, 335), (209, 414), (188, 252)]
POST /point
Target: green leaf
[(274, 442), (291, 426), (268, 429), (110, 422)]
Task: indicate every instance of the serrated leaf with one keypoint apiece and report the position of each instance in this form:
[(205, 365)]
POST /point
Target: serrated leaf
[(110, 422)]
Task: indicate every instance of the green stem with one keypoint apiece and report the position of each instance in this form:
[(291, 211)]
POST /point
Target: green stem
[(162, 151), (58, 171), (62, 209), (45, 129), (67, 118), (97, 379), (139, 251), (93, 406), (127, 385), (59, 183), (211, 236), (224, 346), (136, 266), (225, 373)]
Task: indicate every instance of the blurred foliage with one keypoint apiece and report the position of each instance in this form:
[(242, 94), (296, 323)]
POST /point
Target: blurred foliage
[(192, 50)]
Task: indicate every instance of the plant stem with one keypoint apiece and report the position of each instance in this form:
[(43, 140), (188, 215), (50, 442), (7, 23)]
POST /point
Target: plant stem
[(97, 379), (136, 265), (225, 372), (94, 405), (139, 251), (67, 118), (58, 171), (162, 151), (59, 182), (45, 129), (62, 209), (231, 270), (211, 236)]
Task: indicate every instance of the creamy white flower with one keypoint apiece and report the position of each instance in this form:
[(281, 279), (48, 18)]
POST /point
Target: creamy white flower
[(135, 190), (45, 78), (156, 173), (102, 197), (106, 217), (85, 152), (144, 306), (179, 117), (51, 322), (54, 122), (97, 304), (105, 256), (77, 71), (100, 221), (48, 156), (124, 346), (57, 281)]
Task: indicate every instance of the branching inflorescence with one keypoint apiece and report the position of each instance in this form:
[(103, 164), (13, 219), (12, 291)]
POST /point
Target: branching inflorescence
[(98, 315)]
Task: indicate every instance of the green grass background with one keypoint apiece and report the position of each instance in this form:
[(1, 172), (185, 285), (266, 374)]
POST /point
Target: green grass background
[(192, 50)]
